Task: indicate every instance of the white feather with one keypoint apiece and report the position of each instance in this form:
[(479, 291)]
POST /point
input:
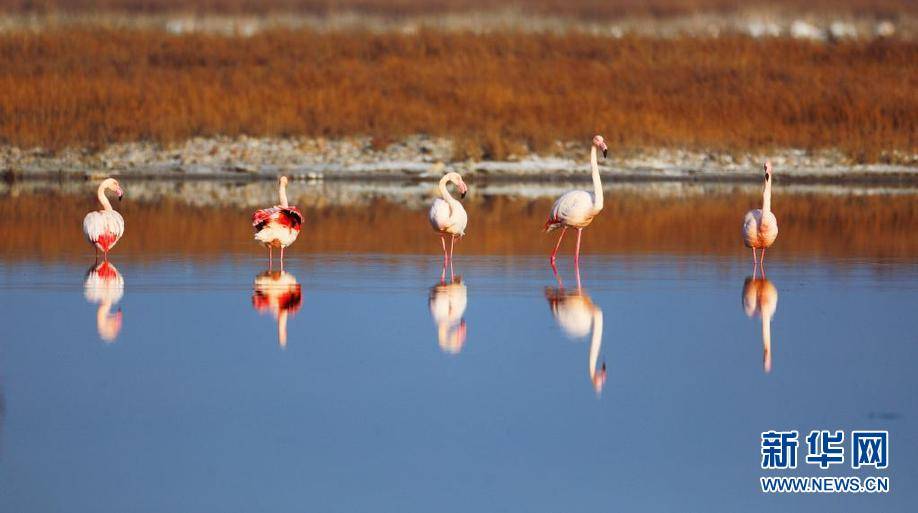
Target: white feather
[(574, 208), (98, 223), (449, 218)]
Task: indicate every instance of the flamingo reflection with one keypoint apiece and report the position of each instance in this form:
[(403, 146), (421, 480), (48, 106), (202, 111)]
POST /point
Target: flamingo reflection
[(447, 303), (578, 317), (104, 286), (760, 298), (277, 292)]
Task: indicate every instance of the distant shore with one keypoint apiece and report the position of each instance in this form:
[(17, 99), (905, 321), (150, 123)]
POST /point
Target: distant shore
[(422, 157)]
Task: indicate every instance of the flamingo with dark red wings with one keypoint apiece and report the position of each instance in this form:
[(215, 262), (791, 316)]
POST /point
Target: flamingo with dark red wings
[(278, 226)]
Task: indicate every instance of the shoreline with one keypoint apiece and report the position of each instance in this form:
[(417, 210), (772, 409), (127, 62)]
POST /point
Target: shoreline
[(422, 158)]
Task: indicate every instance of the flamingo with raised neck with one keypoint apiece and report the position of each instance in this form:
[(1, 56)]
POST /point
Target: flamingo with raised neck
[(278, 226), (447, 216), (103, 228), (760, 298), (760, 227), (279, 293), (576, 209), (447, 303), (578, 317)]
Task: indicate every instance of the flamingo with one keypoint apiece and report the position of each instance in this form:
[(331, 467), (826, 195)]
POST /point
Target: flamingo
[(578, 317), (760, 297), (760, 227), (279, 293), (103, 228), (447, 302), (447, 217), (576, 209), (104, 286), (278, 226)]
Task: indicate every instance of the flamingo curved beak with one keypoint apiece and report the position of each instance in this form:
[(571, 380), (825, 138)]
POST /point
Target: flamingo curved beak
[(119, 192), (463, 189)]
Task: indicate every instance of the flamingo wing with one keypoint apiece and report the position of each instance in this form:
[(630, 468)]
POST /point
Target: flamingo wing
[(571, 208), (104, 227), (291, 216), (287, 216), (262, 217), (439, 215)]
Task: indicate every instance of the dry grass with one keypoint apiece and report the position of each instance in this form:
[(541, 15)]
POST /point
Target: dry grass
[(608, 9), (495, 93), (811, 226)]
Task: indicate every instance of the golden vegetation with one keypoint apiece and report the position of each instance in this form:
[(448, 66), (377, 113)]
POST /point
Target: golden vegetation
[(495, 93), (812, 226)]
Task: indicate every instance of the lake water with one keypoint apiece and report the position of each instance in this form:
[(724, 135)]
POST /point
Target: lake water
[(183, 377)]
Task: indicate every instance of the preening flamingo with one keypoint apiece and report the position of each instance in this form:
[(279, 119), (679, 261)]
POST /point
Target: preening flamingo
[(760, 297), (760, 227), (103, 228), (104, 286), (279, 293), (578, 317), (278, 226), (447, 302), (576, 209), (447, 216)]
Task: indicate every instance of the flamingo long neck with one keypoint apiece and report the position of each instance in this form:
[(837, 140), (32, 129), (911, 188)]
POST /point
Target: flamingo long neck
[(282, 328), (766, 198), (597, 183), (766, 341), (595, 342), (282, 194), (103, 199), (445, 193)]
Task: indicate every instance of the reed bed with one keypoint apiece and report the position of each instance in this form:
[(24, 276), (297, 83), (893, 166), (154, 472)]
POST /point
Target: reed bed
[(495, 94), (812, 226)]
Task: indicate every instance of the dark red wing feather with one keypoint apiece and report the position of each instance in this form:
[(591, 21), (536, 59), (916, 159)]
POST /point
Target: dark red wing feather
[(291, 216)]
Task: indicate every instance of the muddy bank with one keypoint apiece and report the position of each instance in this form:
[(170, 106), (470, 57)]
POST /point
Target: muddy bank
[(424, 158)]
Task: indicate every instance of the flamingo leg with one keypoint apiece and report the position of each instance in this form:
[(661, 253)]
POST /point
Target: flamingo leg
[(755, 263), (270, 257), (577, 251), (282, 258), (558, 245), (452, 243), (762, 263), (97, 254), (577, 274), (445, 254), (554, 269)]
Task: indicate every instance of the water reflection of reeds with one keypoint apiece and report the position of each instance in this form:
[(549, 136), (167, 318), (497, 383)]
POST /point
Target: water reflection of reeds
[(47, 225)]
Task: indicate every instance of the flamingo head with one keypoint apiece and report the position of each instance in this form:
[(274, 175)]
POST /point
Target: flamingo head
[(767, 171), (113, 185), (456, 178), (599, 379), (282, 181), (600, 144)]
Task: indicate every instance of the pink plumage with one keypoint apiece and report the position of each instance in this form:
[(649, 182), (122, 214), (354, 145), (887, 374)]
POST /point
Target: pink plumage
[(278, 226)]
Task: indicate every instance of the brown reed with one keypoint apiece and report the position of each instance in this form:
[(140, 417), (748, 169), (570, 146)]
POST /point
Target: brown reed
[(495, 94)]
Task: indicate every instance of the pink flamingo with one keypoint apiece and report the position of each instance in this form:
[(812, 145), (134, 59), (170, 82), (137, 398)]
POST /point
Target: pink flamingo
[(447, 216), (103, 228), (576, 209), (278, 226), (760, 227)]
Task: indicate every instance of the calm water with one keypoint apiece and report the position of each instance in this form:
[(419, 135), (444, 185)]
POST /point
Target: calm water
[(359, 382)]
